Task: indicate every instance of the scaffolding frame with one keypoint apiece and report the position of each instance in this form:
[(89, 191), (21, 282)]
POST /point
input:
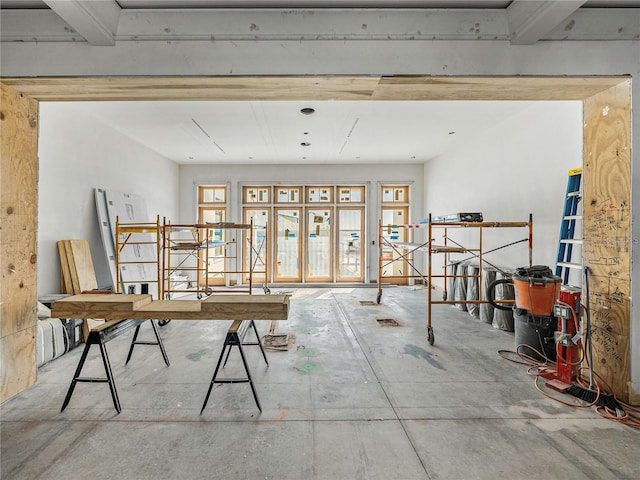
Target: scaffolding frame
[(127, 235), (404, 251), (196, 245), (477, 252)]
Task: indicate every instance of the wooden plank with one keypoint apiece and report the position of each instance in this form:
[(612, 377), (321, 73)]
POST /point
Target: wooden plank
[(606, 247), (73, 273), (332, 87), (491, 88), (98, 306), (247, 307), (81, 256), (223, 307), (197, 88), (18, 261), (65, 273)]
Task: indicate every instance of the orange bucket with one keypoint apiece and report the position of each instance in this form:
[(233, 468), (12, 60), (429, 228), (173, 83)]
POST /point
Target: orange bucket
[(536, 289)]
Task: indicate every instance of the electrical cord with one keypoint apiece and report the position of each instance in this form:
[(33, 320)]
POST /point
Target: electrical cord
[(629, 415)]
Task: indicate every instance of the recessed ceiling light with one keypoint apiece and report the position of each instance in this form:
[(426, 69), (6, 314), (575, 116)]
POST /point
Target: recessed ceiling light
[(305, 144), (307, 110)]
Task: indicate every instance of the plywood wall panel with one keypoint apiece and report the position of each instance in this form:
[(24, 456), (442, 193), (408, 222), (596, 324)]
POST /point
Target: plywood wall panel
[(18, 218), (18, 362), (607, 230), (17, 309)]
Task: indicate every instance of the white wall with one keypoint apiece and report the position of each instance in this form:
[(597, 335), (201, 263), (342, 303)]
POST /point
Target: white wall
[(193, 175), (77, 154), (518, 166)]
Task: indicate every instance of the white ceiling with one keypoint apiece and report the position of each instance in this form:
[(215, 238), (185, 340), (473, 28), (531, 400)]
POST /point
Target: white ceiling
[(254, 132)]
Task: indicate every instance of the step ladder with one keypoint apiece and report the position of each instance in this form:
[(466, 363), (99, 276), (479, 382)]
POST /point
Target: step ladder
[(570, 228)]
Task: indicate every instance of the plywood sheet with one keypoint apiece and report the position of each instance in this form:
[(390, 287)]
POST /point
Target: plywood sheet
[(17, 362), (81, 260), (607, 230), (17, 310)]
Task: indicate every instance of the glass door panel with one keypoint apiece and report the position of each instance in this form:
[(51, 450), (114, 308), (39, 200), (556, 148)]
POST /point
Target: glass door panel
[(256, 256), (393, 230), (350, 241), (287, 261), (319, 264), (217, 251)]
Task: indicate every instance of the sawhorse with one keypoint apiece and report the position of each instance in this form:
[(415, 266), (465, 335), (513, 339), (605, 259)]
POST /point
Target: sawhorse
[(235, 336), (100, 335)]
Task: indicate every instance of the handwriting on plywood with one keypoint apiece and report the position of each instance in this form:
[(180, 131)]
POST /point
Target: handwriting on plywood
[(606, 236), (608, 345)]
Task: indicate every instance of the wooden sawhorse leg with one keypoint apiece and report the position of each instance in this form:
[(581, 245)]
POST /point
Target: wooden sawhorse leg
[(232, 339), (94, 338), (100, 336), (158, 342), (242, 331)]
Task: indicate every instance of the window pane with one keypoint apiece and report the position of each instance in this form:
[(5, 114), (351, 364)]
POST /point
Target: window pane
[(212, 194), (256, 194)]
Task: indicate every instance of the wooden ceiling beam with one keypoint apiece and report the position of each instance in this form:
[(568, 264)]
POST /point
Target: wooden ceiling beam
[(257, 88)]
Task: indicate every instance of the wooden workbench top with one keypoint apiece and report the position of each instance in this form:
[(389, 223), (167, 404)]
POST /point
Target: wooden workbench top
[(142, 307)]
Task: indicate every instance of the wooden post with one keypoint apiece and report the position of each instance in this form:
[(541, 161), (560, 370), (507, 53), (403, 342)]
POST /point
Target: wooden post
[(607, 231), (18, 217)]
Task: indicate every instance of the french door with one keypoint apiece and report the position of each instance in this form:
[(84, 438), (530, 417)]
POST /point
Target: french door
[(288, 245), (350, 241), (393, 266), (319, 247)]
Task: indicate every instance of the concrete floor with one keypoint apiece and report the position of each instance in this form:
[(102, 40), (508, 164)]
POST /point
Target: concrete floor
[(349, 400)]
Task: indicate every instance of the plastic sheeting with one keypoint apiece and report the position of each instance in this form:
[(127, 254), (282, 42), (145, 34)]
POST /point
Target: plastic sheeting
[(503, 319), (452, 269), (460, 286), (472, 289), (486, 309)]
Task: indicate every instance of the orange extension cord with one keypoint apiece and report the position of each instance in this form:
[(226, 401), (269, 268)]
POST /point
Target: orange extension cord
[(629, 415)]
